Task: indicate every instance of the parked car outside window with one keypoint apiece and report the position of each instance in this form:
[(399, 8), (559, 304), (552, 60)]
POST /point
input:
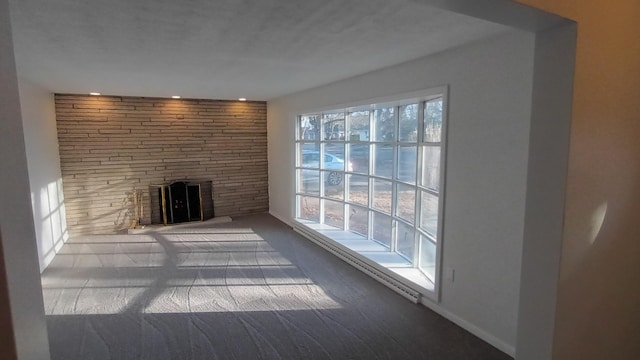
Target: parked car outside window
[(311, 159)]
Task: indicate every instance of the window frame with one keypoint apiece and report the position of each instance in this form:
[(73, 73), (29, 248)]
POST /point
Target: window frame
[(421, 98)]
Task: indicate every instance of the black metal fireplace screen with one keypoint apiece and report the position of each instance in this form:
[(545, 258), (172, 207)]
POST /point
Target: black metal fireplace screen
[(182, 202)]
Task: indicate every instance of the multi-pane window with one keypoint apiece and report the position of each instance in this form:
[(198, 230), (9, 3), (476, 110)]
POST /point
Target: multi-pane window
[(375, 171)]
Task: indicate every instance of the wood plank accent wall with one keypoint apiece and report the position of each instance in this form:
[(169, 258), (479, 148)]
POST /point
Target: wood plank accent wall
[(112, 145)]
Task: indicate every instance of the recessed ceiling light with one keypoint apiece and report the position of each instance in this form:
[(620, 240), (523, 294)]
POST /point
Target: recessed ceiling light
[(242, 99), (94, 93), (175, 97)]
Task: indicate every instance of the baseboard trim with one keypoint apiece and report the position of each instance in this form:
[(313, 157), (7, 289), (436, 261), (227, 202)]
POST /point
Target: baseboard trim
[(424, 300), (46, 260), (361, 263), (470, 327), (284, 219)]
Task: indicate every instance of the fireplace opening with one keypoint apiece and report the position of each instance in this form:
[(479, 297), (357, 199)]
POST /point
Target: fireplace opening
[(181, 201)]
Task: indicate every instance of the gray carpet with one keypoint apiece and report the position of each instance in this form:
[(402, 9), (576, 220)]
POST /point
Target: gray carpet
[(248, 289)]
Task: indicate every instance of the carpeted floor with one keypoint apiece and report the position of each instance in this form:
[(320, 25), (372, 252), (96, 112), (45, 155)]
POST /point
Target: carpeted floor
[(248, 289)]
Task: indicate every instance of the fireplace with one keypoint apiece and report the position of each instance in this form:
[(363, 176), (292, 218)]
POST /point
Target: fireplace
[(181, 201)]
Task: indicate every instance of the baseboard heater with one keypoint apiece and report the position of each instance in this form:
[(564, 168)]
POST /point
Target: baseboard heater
[(356, 261)]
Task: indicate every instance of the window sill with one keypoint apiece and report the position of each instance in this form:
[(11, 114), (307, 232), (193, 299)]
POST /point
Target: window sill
[(375, 252)]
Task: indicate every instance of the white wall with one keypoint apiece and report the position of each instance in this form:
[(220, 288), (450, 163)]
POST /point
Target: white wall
[(43, 161), (546, 189), (16, 220), (490, 88)]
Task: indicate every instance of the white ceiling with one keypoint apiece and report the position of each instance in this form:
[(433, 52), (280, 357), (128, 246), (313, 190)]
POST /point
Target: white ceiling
[(224, 49)]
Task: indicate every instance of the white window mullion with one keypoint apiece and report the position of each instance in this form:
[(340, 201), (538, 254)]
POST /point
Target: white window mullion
[(321, 182), (394, 176), (346, 179), (418, 178), (372, 160)]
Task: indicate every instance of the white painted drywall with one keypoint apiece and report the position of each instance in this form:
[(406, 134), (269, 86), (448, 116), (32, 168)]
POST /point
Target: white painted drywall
[(16, 219), (43, 161), (490, 88), (546, 189)]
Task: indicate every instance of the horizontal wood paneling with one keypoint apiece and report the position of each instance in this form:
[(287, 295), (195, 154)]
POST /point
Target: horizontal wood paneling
[(112, 145)]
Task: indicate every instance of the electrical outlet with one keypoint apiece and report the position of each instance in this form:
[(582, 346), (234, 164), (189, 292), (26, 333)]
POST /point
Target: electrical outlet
[(449, 273)]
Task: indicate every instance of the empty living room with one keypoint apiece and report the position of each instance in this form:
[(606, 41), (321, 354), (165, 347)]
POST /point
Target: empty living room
[(356, 179)]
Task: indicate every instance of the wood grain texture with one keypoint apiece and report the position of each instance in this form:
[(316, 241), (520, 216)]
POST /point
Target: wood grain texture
[(112, 145)]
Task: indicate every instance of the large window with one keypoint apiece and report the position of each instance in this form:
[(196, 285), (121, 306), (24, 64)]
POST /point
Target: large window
[(374, 172)]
